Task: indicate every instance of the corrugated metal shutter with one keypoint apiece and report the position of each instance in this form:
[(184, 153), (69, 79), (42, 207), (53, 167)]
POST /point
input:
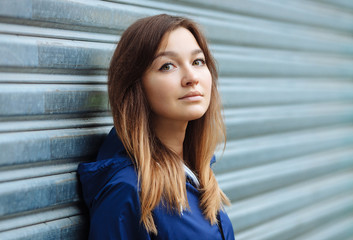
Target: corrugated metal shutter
[(286, 71)]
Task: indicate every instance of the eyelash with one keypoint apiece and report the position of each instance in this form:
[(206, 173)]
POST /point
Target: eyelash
[(164, 65), (203, 62)]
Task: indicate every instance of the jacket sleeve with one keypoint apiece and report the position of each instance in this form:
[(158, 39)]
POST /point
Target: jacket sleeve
[(116, 214)]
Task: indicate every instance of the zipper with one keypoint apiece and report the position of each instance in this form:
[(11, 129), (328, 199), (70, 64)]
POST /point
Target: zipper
[(220, 226)]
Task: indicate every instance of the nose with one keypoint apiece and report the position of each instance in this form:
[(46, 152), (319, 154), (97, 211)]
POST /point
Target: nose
[(190, 77)]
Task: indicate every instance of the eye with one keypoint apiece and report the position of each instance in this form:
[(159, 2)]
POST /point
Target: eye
[(199, 62), (167, 67)]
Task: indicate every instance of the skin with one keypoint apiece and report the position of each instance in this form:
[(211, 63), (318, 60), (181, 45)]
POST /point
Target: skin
[(177, 86)]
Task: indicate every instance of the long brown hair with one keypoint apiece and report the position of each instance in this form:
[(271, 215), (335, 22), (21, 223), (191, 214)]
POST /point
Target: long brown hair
[(160, 171)]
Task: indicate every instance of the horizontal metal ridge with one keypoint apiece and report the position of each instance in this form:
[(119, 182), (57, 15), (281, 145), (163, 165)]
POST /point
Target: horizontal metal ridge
[(39, 216), (40, 78), (55, 33), (88, 121), (35, 193), (288, 226), (54, 53), (279, 55), (295, 82), (48, 145), (29, 99), (292, 66), (247, 122), (259, 209), (259, 150), (343, 5), (238, 96), (306, 13), (251, 181), (74, 227), (40, 169), (104, 16), (339, 228), (119, 16), (294, 110)]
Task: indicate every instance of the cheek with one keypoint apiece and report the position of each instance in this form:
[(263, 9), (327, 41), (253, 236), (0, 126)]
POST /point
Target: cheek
[(208, 88), (208, 83), (157, 93), (160, 103)]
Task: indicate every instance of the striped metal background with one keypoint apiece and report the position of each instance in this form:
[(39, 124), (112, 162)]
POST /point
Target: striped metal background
[(286, 79)]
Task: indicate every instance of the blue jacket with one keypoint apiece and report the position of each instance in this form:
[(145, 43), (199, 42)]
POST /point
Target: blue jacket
[(110, 191)]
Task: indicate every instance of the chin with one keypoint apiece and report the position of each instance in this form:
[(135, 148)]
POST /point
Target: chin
[(195, 115)]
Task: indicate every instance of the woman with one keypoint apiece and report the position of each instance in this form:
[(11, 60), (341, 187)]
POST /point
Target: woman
[(153, 177)]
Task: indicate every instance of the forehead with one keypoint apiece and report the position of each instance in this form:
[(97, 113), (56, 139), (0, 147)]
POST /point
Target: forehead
[(180, 39)]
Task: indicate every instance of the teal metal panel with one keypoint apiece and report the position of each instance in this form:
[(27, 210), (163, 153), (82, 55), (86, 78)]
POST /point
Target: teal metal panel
[(286, 84)]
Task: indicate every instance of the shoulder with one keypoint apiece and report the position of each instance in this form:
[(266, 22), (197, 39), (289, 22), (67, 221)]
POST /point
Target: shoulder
[(101, 177), (115, 212), (115, 207), (117, 199)]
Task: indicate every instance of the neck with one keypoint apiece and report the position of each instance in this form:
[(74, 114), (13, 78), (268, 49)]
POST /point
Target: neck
[(171, 133)]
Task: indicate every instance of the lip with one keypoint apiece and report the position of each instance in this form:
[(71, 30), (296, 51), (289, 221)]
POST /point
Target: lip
[(191, 94)]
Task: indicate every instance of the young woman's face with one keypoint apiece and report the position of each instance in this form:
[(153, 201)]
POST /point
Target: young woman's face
[(178, 83)]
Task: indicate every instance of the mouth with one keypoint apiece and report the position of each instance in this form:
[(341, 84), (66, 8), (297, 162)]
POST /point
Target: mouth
[(192, 94)]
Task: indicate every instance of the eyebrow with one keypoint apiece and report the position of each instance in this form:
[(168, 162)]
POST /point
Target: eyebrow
[(174, 54)]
